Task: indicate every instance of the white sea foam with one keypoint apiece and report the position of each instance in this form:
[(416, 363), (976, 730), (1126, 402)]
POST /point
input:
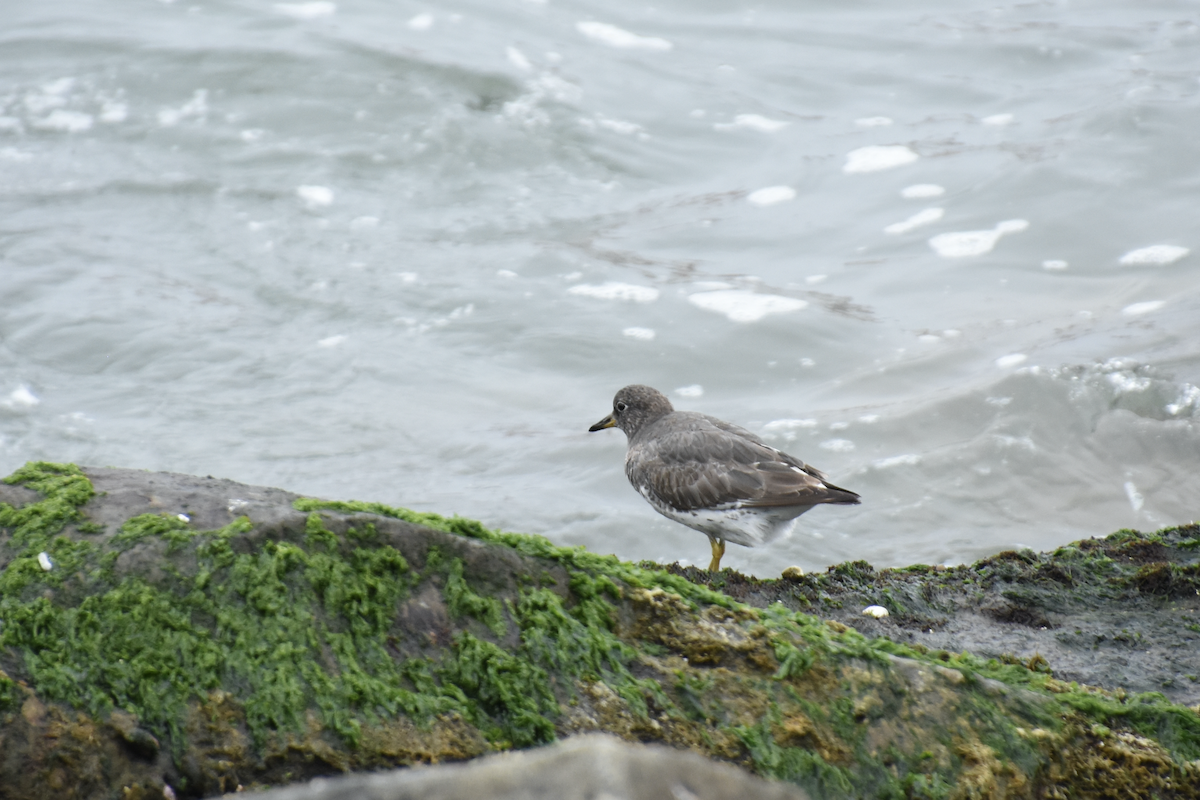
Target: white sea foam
[(878, 157), (113, 112), (332, 341), (813, 279), (695, 390), (363, 223), (315, 196), (771, 195), (407, 277), (922, 190), (788, 429), (998, 119), (837, 445), (614, 290), (21, 397), (59, 86), (618, 125), (1155, 254), (505, 273), (313, 10), (1137, 309), (926, 217), (929, 338), (974, 243), (196, 108), (620, 38), (518, 59), (421, 22), (873, 122), (743, 306), (1136, 501), (15, 155), (1055, 265), (752, 122), (1011, 360), (61, 119), (644, 334), (1189, 397), (869, 419), (906, 460)]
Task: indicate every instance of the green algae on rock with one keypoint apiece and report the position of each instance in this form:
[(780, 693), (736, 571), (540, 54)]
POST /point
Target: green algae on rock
[(213, 635)]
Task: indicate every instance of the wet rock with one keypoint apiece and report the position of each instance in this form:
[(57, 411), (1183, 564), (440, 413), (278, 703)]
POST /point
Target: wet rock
[(581, 768)]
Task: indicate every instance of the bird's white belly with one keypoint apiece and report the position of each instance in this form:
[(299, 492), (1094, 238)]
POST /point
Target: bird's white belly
[(749, 527)]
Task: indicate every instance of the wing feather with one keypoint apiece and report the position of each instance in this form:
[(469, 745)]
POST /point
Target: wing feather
[(700, 462)]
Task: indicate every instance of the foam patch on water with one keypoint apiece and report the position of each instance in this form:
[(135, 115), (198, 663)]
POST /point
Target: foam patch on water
[(332, 341), (612, 36), (1011, 360), (421, 22), (113, 112), (922, 190), (644, 334), (878, 157), (837, 445), (921, 218), (998, 119), (1155, 254), (614, 290), (518, 59), (1137, 309), (61, 119), (743, 306), (315, 196), (906, 460), (1136, 501), (771, 195), (873, 122), (974, 243), (196, 108), (1055, 265), (695, 390), (788, 429), (363, 223), (313, 10), (752, 122), (20, 398)]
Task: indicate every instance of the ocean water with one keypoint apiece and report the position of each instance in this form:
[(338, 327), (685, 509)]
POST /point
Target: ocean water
[(947, 252)]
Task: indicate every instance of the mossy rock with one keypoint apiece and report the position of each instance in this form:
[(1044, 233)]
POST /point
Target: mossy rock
[(164, 628)]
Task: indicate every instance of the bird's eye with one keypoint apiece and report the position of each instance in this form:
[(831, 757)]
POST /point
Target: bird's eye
[(621, 407)]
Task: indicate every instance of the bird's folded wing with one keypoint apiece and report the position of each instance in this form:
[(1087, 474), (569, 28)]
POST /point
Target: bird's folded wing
[(713, 468)]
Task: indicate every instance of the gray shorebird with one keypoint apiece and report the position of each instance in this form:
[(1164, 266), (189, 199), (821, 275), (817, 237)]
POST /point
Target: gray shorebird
[(714, 477)]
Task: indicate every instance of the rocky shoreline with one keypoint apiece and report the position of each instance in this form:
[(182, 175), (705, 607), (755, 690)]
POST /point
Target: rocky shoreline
[(163, 631)]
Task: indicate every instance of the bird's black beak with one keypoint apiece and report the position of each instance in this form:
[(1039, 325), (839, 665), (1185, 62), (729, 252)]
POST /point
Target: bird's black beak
[(608, 422)]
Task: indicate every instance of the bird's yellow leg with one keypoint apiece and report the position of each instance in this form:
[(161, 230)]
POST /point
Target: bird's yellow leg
[(718, 550)]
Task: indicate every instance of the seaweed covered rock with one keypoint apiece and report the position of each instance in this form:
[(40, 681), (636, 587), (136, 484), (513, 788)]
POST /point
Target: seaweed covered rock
[(1120, 612), (166, 630)]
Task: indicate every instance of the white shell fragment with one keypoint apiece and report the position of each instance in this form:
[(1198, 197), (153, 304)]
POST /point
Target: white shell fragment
[(878, 612), (44, 560), (184, 518)]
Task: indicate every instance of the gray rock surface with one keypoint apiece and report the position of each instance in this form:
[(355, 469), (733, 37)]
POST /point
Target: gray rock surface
[(590, 767)]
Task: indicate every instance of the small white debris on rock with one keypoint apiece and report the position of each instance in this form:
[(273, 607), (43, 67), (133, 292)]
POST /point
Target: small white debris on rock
[(44, 560), (184, 517), (878, 612)]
